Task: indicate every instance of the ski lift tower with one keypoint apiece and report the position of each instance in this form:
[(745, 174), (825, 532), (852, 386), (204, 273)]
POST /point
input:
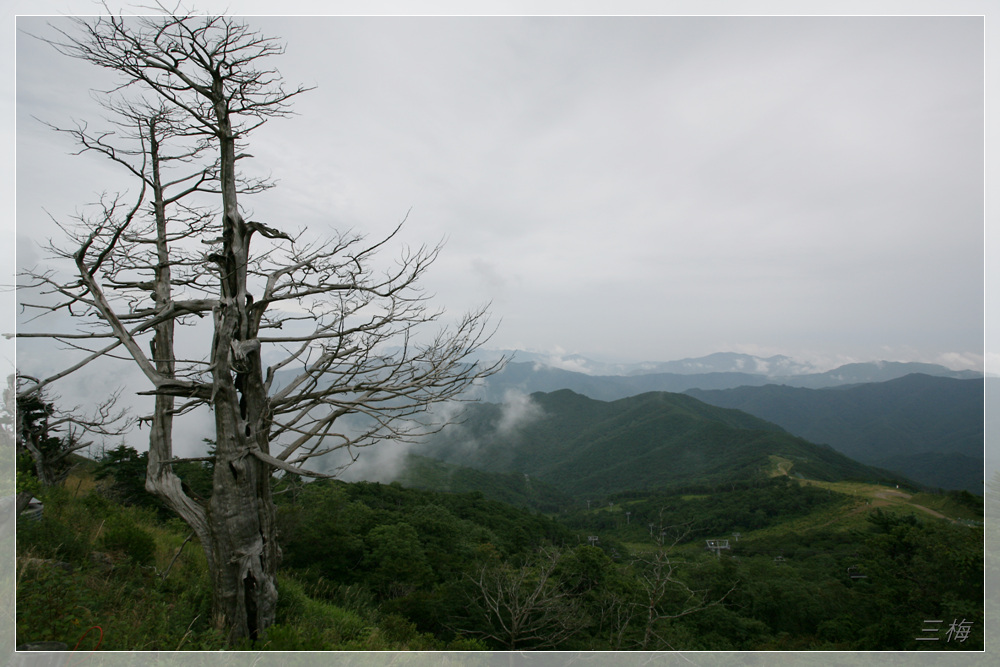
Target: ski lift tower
[(717, 546)]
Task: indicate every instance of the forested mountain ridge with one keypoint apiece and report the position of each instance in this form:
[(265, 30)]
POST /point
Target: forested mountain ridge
[(585, 448), (927, 428)]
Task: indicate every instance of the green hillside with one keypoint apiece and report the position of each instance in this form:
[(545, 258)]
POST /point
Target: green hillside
[(588, 448), (927, 428), (810, 565), (657, 522), (420, 472)]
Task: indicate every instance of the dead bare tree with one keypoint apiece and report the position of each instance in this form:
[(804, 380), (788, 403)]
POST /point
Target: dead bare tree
[(664, 594), (342, 335), (8, 413), (522, 607)]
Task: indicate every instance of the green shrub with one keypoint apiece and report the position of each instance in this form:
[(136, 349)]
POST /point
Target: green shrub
[(313, 620), (98, 505), (466, 644), (48, 538), (397, 629), (292, 600), (55, 499), (124, 536), (52, 604), (293, 638)]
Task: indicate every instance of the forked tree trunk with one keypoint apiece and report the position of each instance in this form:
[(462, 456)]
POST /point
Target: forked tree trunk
[(237, 529), (241, 512)]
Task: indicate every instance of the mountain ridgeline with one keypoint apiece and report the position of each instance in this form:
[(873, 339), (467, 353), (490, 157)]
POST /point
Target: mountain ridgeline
[(587, 448), (718, 371), (927, 428), (922, 421)]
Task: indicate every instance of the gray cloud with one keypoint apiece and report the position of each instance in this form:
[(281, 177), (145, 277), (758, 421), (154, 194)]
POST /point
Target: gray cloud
[(642, 188)]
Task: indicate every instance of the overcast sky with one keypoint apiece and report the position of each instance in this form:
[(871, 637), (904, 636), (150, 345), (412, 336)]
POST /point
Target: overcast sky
[(644, 188)]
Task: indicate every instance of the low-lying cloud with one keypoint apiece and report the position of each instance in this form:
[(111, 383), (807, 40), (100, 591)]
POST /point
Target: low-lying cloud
[(518, 410)]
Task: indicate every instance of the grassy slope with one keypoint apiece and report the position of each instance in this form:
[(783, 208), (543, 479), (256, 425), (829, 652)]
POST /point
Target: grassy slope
[(864, 497), (856, 501), (65, 595)]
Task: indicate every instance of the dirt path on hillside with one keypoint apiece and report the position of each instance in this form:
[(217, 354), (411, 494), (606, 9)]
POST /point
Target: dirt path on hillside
[(893, 494), (886, 498)]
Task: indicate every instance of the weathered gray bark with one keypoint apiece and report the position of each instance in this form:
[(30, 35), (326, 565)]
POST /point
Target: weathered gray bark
[(237, 528), (241, 512), (160, 478)]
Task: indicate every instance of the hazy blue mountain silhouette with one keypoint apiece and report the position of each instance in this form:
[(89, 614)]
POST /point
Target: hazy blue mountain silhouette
[(529, 377)]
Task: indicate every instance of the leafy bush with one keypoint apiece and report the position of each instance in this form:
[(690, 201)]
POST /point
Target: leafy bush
[(52, 604), (98, 505), (49, 538), (124, 536)]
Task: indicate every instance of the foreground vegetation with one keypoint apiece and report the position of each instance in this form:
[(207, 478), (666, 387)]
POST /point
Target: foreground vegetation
[(382, 567)]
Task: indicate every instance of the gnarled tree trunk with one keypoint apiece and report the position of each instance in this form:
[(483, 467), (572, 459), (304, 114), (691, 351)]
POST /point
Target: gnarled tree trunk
[(241, 512)]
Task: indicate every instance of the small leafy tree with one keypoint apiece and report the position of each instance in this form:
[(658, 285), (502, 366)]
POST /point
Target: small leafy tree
[(122, 472), (396, 559), (46, 436)]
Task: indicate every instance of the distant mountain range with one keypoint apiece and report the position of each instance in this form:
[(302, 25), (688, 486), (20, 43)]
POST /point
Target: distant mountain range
[(720, 362), (716, 371), (923, 421), (777, 366), (588, 448)]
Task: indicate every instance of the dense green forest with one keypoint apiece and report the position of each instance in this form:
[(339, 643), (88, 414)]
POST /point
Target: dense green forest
[(367, 566), (927, 428), (587, 448)]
